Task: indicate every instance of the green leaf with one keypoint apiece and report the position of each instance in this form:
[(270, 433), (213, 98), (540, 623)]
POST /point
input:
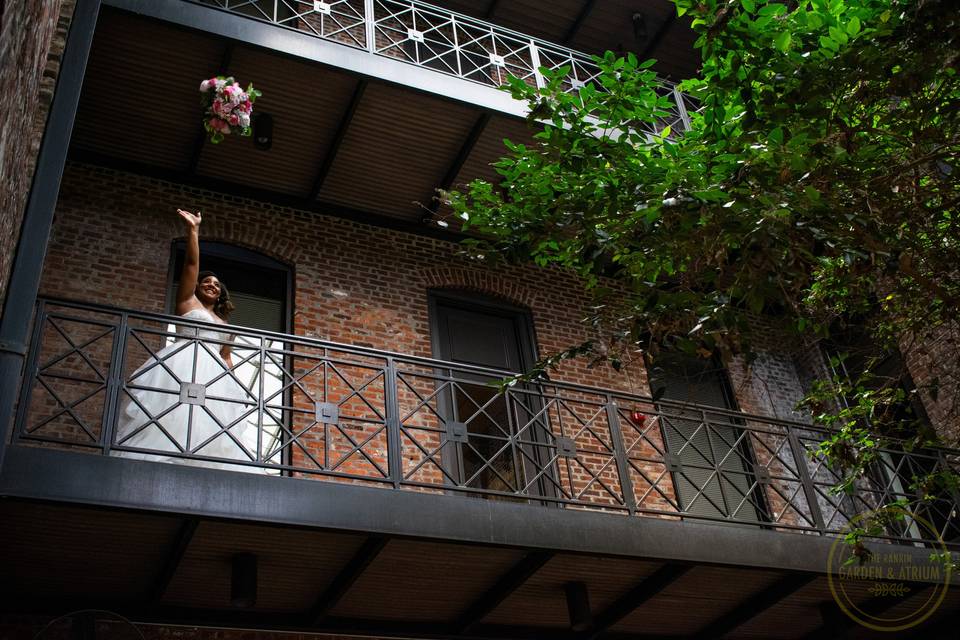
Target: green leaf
[(749, 6), (783, 41), (838, 35), (776, 136), (853, 27)]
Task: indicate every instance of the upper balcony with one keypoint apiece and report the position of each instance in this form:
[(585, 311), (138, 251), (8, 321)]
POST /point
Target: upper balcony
[(400, 94)]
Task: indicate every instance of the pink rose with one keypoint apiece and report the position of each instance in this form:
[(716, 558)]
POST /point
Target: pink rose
[(234, 119), (219, 125), (205, 86)]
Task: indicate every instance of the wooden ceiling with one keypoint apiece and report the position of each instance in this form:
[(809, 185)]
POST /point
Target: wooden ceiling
[(145, 566), (337, 140)]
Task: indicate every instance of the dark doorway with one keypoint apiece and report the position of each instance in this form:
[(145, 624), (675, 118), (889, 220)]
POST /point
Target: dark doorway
[(470, 330), (713, 462), (260, 286)]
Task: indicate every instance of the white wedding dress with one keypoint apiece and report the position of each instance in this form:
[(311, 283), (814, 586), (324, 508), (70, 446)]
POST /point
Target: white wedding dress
[(157, 414)]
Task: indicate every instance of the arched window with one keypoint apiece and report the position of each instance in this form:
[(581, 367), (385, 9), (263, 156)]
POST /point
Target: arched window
[(261, 287)]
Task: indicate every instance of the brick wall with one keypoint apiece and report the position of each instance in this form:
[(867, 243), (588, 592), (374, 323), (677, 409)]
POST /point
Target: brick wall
[(32, 37), (934, 362)]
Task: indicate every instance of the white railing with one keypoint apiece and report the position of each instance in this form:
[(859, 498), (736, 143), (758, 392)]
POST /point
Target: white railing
[(427, 36)]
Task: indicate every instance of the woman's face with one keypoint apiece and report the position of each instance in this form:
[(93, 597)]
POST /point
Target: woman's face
[(208, 290)]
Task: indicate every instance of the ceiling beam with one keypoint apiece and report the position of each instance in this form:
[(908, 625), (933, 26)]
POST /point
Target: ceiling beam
[(509, 582), (225, 60), (177, 549), (337, 141), (654, 42), (631, 600), (578, 22), (753, 606), (348, 575), (453, 170)]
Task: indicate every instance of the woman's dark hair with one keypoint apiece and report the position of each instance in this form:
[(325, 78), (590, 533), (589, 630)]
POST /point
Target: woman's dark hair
[(223, 307)]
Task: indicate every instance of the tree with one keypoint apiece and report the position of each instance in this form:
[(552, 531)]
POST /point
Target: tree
[(817, 187)]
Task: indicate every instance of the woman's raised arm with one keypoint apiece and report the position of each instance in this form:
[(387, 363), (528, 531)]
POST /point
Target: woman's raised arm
[(191, 263)]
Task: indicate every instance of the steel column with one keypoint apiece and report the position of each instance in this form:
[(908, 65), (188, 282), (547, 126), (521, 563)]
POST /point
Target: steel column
[(38, 215)]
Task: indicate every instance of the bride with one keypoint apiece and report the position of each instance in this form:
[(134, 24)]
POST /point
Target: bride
[(184, 399)]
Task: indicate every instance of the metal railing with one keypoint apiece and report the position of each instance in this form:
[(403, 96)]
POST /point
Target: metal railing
[(157, 387), (444, 41)]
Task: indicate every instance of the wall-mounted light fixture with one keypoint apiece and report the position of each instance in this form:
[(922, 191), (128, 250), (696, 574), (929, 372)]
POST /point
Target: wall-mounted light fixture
[(639, 27), (262, 131)]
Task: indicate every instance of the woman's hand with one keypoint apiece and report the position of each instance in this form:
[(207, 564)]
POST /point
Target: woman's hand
[(192, 220)]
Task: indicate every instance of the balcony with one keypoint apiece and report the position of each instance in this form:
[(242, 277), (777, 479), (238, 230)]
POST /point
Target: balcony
[(431, 37), (304, 408), (560, 475), (356, 99)]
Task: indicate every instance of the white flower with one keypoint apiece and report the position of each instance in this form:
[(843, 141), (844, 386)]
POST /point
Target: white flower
[(244, 120)]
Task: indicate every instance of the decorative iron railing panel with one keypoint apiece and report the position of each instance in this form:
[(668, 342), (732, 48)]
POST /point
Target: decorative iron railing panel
[(158, 387), (445, 41)]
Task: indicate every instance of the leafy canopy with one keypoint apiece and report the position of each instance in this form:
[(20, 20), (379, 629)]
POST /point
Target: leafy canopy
[(817, 186), (818, 183)]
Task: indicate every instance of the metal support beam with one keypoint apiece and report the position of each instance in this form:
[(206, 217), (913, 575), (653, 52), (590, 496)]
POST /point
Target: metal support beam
[(754, 606), (631, 600), (500, 591), (350, 573), (461, 158), (202, 133), (173, 556), (337, 140), (54, 475), (38, 215), (661, 32), (578, 22)]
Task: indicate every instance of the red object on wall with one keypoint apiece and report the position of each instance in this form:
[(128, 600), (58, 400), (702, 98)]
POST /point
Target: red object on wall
[(637, 418)]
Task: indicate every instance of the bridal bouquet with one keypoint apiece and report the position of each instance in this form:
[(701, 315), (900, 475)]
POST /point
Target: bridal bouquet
[(227, 107)]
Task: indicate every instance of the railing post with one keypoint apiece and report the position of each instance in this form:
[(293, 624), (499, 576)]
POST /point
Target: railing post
[(809, 490), (535, 61), (620, 451), (392, 419), (370, 24), (261, 390), (114, 384)]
